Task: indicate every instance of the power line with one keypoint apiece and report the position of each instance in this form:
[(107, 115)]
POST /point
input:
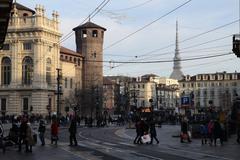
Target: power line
[(195, 36), (162, 61), (91, 15), (145, 26), (129, 8)]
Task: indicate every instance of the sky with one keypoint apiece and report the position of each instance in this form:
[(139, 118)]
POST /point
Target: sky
[(205, 29)]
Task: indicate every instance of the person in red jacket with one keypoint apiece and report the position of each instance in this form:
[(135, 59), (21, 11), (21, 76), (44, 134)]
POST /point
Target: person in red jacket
[(54, 131)]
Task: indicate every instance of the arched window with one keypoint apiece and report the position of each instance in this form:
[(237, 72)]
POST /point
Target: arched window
[(94, 33), (48, 71), (27, 70), (6, 71)]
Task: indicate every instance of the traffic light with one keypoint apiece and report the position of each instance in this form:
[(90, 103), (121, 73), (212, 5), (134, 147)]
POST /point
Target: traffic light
[(236, 45)]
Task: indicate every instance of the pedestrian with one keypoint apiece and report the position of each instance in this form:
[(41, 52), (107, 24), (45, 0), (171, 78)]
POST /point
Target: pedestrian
[(41, 130), (235, 116), (54, 131), (138, 131), (22, 134), (204, 132), (153, 132), (217, 132), (29, 138), (210, 131), (73, 131), (185, 130), (141, 131)]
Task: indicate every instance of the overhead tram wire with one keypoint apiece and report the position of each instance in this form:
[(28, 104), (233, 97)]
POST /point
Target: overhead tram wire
[(186, 48), (163, 61), (195, 36), (190, 38), (145, 26), (91, 15), (84, 20), (129, 8)]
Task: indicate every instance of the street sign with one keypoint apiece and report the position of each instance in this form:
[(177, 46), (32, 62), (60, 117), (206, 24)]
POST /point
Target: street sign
[(185, 101)]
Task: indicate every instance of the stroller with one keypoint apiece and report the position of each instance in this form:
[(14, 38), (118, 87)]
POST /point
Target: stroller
[(11, 139)]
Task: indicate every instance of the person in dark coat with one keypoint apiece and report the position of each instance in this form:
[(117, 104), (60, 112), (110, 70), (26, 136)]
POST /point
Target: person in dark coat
[(22, 134), (41, 130), (217, 132), (235, 116), (153, 132), (140, 131), (73, 131)]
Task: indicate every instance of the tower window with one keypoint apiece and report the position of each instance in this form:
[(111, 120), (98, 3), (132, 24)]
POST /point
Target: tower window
[(94, 33), (79, 61), (94, 55), (71, 83), (65, 82), (84, 33)]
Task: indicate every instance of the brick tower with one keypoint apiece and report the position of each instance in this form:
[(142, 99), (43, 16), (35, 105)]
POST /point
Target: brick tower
[(89, 42)]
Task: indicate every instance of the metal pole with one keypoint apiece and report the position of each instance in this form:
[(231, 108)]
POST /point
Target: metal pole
[(58, 91)]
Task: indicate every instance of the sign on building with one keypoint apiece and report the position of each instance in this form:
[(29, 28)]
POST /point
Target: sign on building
[(185, 101)]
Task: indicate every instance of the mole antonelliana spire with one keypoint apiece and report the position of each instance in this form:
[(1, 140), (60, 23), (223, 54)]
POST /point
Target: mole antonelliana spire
[(177, 73)]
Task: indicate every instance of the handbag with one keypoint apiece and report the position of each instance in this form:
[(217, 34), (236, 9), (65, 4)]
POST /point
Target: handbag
[(189, 134), (54, 138), (146, 138)]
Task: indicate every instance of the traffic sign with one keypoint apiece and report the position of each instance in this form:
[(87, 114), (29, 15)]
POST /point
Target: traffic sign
[(185, 101)]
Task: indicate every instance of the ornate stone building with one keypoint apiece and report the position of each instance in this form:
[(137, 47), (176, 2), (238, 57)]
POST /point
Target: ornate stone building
[(28, 61), (31, 55)]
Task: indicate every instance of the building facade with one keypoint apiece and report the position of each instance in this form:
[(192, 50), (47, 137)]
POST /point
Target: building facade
[(216, 90), (28, 61), (153, 91), (31, 56)]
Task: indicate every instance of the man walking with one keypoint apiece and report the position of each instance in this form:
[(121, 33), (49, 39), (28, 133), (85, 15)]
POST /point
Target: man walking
[(73, 131), (41, 130), (153, 132)]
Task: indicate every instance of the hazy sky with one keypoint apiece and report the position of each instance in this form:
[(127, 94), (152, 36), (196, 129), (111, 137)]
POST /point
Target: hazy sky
[(123, 17)]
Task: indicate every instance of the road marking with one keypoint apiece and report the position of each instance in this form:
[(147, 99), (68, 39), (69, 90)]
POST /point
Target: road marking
[(127, 144), (202, 154), (121, 133), (110, 144), (148, 156)]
